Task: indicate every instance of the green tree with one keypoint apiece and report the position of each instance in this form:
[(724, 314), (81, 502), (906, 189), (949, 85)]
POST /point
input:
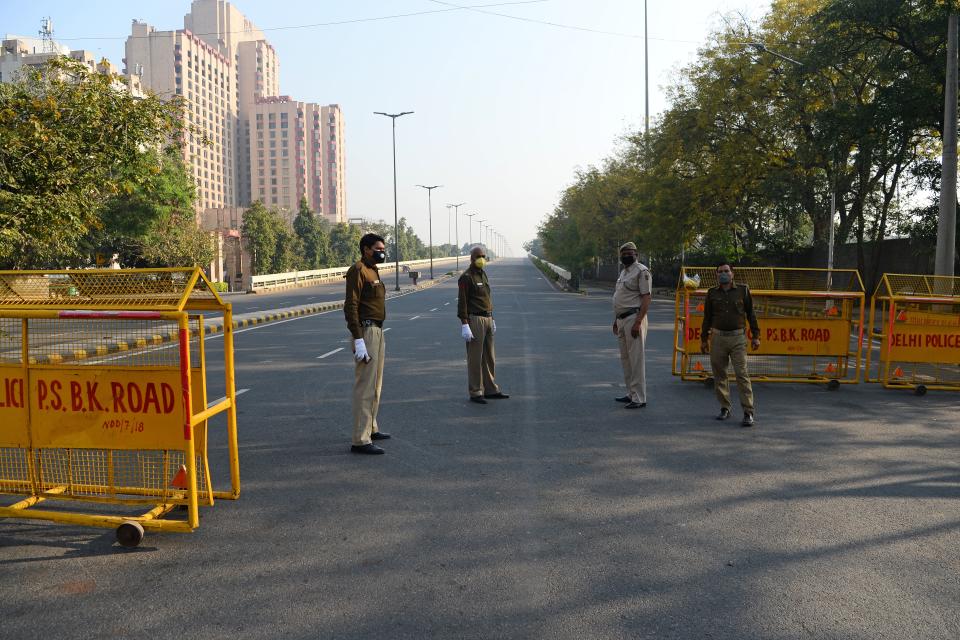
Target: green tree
[(288, 255), (745, 158), (259, 230), (314, 237), (344, 244), (534, 246), (69, 141), (134, 224), (175, 240)]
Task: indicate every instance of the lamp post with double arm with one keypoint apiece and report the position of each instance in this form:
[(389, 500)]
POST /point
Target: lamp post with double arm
[(470, 227), (396, 230), (456, 222), (430, 220)]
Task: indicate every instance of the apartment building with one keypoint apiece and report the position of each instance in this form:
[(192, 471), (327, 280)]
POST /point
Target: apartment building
[(333, 161), (178, 63), (282, 167), (219, 63), (228, 74), (18, 52)]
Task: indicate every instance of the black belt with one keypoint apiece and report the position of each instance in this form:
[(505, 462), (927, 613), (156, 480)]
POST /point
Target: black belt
[(372, 323), (484, 314), (732, 332), (627, 314)]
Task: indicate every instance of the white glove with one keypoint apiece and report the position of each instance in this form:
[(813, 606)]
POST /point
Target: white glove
[(360, 350), (465, 332), (493, 326)]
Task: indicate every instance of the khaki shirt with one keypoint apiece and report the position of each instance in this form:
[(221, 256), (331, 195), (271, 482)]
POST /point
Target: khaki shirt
[(474, 293), (729, 310), (366, 297), (632, 285)]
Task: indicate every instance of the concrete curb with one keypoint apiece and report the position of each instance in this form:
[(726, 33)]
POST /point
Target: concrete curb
[(78, 353)]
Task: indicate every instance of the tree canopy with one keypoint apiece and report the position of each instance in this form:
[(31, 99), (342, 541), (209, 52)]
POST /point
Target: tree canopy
[(70, 142), (835, 96)]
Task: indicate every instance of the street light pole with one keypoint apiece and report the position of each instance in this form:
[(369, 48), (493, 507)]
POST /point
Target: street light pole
[(947, 220), (430, 220), (456, 222), (646, 81), (470, 228), (480, 231), (396, 229)]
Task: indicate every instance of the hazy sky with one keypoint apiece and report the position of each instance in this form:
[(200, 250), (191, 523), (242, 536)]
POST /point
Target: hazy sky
[(505, 109)]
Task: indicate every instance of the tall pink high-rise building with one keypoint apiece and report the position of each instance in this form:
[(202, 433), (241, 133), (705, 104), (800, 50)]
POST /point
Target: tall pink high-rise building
[(228, 75)]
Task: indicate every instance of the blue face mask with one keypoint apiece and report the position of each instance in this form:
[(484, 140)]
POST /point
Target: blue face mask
[(724, 278)]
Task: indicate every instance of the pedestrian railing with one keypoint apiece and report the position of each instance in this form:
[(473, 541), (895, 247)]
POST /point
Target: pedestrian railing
[(811, 324), (917, 337), (562, 273), (319, 276), (99, 426)]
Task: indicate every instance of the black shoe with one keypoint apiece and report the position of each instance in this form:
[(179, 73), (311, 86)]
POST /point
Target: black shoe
[(379, 435), (371, 449), (635, 405), (499, 395), (623, 399), (747, 419), (724, 414), (478, 399)]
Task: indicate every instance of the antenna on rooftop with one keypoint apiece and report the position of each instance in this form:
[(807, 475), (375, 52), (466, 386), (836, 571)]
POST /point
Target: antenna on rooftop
[(46, 35)]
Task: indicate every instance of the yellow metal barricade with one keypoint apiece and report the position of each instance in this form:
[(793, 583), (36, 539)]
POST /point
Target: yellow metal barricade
[(811, 324), (103, 396), (915, 333)]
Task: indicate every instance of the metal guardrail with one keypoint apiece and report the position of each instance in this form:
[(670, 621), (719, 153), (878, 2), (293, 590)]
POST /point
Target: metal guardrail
[(560, 271), (316, 276)]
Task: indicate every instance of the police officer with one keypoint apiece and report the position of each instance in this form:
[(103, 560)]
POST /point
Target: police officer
[(477, 327), (365, 310), (726, 311), (631, 300)]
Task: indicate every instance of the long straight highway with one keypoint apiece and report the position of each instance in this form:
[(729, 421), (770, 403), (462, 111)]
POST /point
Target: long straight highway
[(553, 514)]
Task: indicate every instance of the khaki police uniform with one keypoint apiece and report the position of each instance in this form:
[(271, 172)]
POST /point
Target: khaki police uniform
[(365, 309), (725, 315), (475, 305), (633, 284)]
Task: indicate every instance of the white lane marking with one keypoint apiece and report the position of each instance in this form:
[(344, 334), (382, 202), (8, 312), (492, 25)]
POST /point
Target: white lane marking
[(218, 400), (387, 329), (329, 353), (414, 317), (446, 303), (434, 309)]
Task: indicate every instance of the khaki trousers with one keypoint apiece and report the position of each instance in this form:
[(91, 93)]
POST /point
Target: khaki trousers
[(723, 350), (367, 381), (632, 357), (481, 365)]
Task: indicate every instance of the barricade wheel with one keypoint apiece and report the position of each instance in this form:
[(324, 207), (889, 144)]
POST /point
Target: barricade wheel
[(708, 383), (833, 385), (921, 390), (129, 534)]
